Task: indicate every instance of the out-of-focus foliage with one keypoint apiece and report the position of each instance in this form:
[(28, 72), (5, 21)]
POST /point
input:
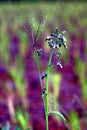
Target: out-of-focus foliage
[(75, 120)]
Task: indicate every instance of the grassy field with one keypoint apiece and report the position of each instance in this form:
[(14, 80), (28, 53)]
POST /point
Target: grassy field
[(15, 57)]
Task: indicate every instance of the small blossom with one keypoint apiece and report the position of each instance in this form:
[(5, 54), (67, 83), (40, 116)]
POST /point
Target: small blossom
[(53, 35), (65, 45), (63, 32), (64, 39), (52, 44), (59, 64), (48, 38)]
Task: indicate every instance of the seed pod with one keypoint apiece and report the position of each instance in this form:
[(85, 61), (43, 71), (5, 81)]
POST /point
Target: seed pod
[(44, 92), (39, 52), (44, 76)]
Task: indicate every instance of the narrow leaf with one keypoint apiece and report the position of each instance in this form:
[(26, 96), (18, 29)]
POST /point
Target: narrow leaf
[(58, 114)]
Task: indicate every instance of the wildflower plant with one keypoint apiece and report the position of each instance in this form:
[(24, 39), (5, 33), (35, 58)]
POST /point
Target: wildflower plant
[(55, 41)]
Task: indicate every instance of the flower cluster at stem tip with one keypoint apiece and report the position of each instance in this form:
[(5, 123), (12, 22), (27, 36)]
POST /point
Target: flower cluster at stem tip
[(55, 40)]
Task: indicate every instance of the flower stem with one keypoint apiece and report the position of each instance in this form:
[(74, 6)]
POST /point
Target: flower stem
[(47, 82), (38, 66)]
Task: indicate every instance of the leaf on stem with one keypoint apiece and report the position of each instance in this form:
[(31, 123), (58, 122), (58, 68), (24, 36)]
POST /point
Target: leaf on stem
[(58, 114)]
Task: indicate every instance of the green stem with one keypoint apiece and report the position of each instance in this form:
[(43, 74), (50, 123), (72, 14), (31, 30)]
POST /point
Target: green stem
[(38, 66), (47, 82)]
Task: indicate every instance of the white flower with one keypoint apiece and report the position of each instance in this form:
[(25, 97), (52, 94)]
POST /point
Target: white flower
[(64, 39), (59, 64), (48, 38)]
